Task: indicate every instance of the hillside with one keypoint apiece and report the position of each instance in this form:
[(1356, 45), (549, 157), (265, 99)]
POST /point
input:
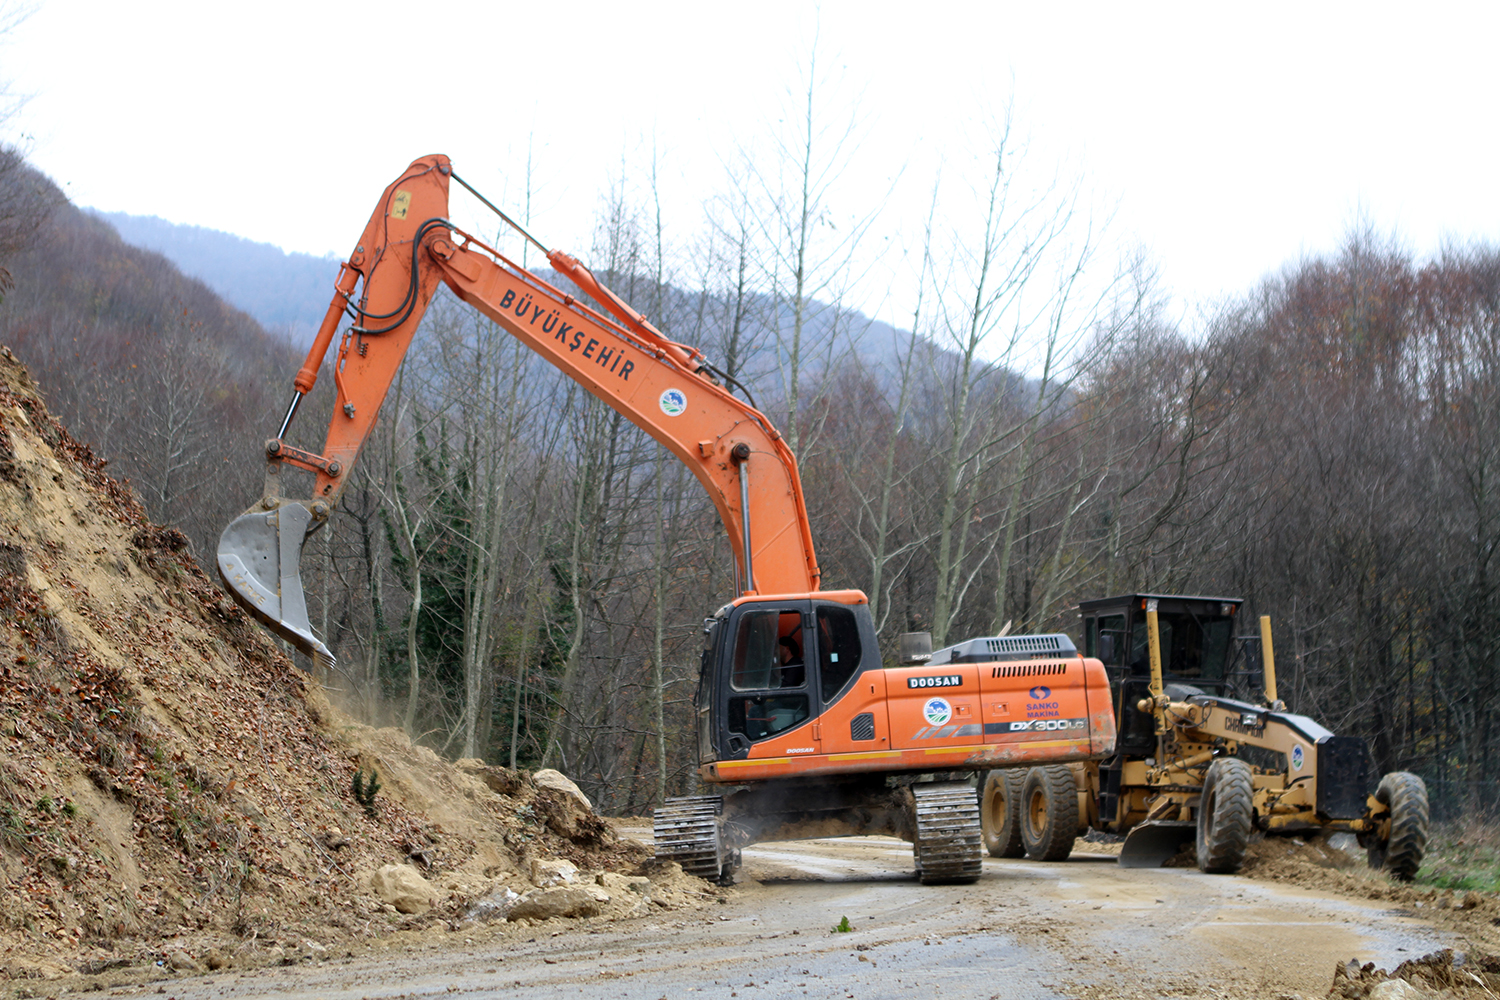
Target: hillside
[(174, 794), (285, 292), (164, 379)]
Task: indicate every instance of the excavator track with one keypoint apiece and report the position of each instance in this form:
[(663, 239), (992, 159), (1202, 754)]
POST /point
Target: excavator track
[(948, 836), (687, 831)]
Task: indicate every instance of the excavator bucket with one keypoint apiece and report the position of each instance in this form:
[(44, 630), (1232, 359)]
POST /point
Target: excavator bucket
[(260, 562), (1152, 843)]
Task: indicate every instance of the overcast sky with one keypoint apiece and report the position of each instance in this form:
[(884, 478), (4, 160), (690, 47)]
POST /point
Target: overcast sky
[(1227, 140)]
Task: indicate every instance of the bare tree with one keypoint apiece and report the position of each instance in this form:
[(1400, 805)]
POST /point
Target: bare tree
[(808, 246)]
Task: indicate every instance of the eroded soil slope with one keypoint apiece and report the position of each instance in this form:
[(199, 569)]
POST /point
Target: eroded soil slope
[(174, 791)]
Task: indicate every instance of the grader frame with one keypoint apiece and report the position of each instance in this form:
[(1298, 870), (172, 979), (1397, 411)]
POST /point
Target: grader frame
[(1194, 763)]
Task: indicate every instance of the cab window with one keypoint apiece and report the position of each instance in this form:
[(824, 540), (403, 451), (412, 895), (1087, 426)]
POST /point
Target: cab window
[(1140, 653), (838, 649), (1111, 640), (768, 675), (768, 651), (1191, 648), (758, 718)]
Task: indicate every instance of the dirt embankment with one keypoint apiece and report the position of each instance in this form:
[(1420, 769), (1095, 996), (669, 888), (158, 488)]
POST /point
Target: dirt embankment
[(1314, 863), (175, 794)]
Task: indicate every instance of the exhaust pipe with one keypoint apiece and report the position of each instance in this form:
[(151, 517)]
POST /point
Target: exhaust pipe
[(1268, 664)]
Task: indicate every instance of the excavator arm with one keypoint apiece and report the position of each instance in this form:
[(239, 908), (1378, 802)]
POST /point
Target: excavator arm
[(665, 388)]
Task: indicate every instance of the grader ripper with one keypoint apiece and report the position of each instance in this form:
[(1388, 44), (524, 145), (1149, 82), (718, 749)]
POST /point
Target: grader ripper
[(1195, 766)]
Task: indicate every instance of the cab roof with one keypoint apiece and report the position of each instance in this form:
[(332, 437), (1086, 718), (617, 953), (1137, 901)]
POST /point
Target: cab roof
[(1110, 603)]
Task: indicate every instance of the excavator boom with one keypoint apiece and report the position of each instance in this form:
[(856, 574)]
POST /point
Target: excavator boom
[(406, 250)]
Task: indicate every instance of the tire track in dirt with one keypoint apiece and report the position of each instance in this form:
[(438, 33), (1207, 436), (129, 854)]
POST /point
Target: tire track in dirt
[(1080, 928)]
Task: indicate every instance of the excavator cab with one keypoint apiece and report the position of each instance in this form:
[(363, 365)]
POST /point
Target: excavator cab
[(770, 665), (1197, 638)]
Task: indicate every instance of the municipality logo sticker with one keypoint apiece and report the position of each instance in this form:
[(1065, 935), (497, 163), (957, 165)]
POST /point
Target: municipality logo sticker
[(937, 711), (673, 402), (1297, 758)]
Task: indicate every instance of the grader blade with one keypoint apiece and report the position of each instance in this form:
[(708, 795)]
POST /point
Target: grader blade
[(1152, 843), (260, 562)]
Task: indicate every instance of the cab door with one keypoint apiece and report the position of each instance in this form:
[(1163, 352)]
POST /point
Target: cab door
[(852, 715), (766, 695)]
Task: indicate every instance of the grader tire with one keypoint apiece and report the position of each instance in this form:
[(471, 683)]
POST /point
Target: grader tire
[(1000, 812), (1400, 854), (1226, 814), (1049, 813)]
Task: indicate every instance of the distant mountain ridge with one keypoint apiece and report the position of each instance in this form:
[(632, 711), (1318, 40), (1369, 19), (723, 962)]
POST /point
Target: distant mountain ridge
[(289, 293), (285, 292)]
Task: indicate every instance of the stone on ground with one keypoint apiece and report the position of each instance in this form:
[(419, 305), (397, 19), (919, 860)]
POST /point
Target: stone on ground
[(403, 887)]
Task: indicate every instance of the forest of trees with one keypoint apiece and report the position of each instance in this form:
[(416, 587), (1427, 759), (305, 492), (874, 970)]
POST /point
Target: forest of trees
[(517, 573)]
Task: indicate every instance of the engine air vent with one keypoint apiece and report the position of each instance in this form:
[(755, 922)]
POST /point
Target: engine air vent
[(1055, 646), (1030, 670), (862, 727)]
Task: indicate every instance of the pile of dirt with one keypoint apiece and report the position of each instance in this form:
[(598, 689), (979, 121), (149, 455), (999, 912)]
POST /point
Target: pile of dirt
[(1295, 857), (175, 794), (1317, 863), (1444, 973)]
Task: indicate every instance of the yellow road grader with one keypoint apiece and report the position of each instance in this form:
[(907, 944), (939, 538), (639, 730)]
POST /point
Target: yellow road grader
[(1195, 765)]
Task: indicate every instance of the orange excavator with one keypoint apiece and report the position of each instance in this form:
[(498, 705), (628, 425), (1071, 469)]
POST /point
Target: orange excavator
[(803, 728)]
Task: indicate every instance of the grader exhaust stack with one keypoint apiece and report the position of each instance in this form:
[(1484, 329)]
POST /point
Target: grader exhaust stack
[(1268, 663)]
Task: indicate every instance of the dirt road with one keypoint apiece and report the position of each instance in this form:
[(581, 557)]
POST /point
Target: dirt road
[(1081, 928)]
